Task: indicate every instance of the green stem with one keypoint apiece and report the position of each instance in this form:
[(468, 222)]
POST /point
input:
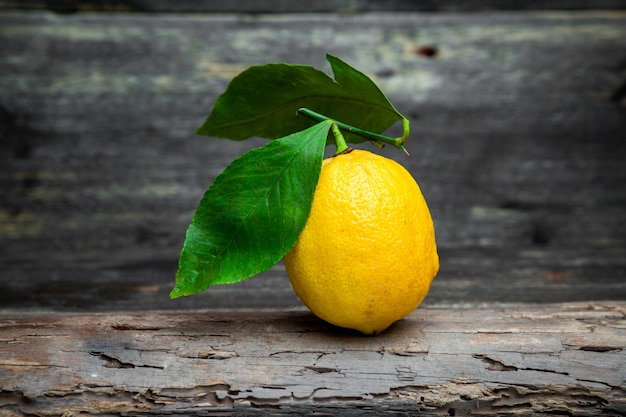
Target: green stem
[(376, 137), (340, 141)]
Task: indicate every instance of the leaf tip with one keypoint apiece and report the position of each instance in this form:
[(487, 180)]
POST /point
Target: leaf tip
[(202, 131), (175, 294), (333, 60), (178, 291)]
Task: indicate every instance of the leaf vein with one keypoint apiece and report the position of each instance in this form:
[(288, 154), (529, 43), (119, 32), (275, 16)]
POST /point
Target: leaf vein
[(300, 100)]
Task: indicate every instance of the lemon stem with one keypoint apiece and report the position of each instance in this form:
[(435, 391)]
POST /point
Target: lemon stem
[(375, 137), (340, 141)]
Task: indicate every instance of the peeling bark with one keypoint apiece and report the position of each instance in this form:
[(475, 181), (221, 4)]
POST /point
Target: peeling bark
[(564, 358)]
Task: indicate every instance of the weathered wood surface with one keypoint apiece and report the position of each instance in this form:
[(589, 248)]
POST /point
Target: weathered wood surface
[(518, 144), (281, 6), (558, 359)]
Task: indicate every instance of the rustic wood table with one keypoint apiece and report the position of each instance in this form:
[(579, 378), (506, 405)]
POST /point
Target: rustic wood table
[(518, 142)]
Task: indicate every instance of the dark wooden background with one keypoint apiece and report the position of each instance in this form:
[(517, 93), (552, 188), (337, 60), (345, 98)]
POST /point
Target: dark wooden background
[(518, 141)]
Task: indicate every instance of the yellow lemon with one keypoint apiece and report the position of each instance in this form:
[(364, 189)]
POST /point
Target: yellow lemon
[(367, 255)]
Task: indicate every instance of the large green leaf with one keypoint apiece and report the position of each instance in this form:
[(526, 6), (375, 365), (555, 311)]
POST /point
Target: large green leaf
[(253, 213), (264, 100)]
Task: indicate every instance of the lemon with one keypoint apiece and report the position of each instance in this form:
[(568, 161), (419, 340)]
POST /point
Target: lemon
[(367, 254)]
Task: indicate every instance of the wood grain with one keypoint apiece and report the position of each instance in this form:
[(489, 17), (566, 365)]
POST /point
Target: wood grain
[(518, 144), (279, 6), (520, 360)]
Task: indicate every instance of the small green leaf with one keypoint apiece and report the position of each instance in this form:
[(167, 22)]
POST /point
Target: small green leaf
[(253, 213), (264, 101)]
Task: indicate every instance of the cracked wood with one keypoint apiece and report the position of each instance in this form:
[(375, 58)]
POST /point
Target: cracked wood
[(526, 359)]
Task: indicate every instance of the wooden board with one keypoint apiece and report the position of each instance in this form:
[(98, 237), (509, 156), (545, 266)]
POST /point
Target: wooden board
[(279, 6), (518, 144), (556, 359)]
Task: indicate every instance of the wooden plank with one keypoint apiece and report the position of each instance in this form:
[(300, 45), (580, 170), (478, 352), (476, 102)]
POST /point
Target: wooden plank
[(279, 6), (518, 124), (521, 360)]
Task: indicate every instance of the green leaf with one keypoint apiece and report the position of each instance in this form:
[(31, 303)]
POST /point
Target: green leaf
[(253, 213), (264, 100)]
